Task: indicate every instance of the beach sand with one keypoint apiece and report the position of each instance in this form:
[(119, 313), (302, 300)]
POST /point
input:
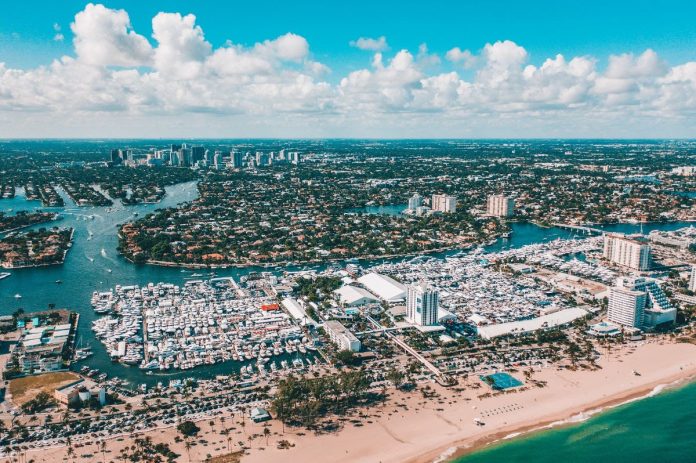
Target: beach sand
[(409, 428)]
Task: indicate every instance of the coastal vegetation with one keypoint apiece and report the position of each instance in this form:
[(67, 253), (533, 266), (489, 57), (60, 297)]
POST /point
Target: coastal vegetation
[(35, 248), (24, 219), (306, 401)]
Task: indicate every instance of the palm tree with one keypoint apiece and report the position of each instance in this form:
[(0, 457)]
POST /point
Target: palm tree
[(187, 446), (71, 450), (267, 433), (102, 447)]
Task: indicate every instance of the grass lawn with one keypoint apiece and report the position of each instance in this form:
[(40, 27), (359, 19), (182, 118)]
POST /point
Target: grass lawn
[(25, 389)]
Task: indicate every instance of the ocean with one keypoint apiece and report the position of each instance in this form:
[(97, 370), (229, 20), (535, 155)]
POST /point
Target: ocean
[(660, 428)]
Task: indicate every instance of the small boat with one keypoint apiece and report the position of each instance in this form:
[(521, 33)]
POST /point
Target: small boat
[(59, 282), (17, 296)]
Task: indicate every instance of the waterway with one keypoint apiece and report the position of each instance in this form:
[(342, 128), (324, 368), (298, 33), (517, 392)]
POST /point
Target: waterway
[(93, 264)]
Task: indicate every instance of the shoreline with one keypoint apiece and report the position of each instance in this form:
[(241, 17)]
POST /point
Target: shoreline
[(427, 252), (197, 265), (414, 429), (558, 420)]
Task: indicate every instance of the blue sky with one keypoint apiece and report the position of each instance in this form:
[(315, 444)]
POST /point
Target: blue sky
[(490, 91), (543, 27)]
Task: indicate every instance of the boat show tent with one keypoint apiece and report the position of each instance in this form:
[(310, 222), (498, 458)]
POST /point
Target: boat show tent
[(384, 287), (562, 317)]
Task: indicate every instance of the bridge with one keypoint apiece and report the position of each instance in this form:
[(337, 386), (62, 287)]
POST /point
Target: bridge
[(580, 228), (440, 377)]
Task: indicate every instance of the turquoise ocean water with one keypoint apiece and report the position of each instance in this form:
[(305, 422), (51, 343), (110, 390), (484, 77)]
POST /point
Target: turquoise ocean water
[(660, 429)]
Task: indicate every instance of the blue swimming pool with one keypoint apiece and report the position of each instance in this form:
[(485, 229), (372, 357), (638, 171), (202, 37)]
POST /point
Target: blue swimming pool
[(501, 381)]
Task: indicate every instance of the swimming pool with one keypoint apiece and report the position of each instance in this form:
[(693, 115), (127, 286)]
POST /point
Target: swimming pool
[(501, 381)]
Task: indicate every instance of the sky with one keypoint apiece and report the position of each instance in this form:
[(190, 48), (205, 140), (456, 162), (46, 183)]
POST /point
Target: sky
[(377, 69)]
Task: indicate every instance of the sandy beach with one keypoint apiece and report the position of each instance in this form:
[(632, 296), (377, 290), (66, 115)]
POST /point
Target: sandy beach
[(412, 428)]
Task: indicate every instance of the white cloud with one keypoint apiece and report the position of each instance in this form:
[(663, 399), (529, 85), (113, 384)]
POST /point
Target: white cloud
[(465, 57), (117, 76), (288, 47), (181, 45), (104, 37), (58, 36), (425, 58), (366, 43)]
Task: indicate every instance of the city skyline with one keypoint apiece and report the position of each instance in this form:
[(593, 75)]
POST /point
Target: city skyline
[(120, 69)]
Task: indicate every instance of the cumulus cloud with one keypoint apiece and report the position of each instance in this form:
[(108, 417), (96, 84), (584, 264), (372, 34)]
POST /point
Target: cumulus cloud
[(366, 43), (105, 37), (177, 73), (181, 45), (463, 57), (288, 47)]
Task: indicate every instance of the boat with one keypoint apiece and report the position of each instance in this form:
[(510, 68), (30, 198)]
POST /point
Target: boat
[(17, 296), (59, 282), (4, 275)]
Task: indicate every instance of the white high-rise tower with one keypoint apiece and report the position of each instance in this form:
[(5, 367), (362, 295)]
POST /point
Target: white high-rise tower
[(422, 305)]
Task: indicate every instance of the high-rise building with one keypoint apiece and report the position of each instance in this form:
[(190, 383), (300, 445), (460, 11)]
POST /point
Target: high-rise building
[(174, 154), (197, 154), (415, 201), (185, 157), (422, 304), (260, 158), (500, 206), (217, 160), (294, 157), (444, 203), (692, 279), (633, 253), (237, 159), (639, 303), (116, 157)]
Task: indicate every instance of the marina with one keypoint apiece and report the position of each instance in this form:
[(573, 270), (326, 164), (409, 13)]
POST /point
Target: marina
[(86, 269), (164, 326)]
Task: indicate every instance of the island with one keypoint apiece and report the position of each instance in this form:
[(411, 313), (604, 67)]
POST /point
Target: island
[(35, 248), (23, 219)]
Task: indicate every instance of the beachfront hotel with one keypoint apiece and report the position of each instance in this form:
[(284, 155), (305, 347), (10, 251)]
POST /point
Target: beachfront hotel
[(422, 305), (500, 206), (633, 253), (639, 303)]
